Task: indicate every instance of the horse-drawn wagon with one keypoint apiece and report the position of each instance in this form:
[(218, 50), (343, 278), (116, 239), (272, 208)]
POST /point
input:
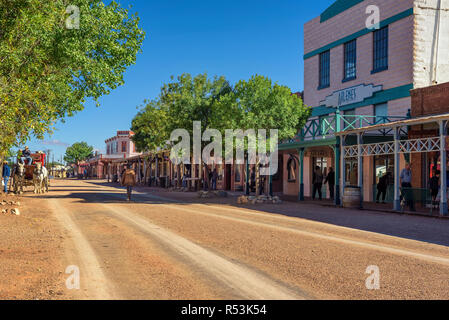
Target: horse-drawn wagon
[(35, 174)]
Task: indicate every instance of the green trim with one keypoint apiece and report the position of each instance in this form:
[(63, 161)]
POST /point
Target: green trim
[(338, 7), (378, 97), (308, 144), (359, 34)]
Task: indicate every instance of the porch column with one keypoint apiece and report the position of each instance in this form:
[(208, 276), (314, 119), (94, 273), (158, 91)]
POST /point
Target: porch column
[(156, 178), (145, 171), (397, 195), (443, 175), (301, 174), (343, 168), (337, 155), (360, 166)]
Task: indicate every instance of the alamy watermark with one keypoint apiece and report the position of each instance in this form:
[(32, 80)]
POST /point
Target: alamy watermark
[(373, 281), (261, 149), (73, 21), (373, 21), (73, 281)]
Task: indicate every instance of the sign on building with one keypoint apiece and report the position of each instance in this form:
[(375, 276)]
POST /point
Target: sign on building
[(351, 95)]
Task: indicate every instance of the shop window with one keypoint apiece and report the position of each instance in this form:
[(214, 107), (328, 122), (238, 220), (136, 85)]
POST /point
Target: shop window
[(350, 68), (380, 50), (381, 113), (324, 72), (291, 169)]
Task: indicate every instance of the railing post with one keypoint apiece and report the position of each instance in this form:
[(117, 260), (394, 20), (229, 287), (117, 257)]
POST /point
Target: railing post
[(397, 196), (337, 173), (343, 168), (360, 166), (443, 175), (301, 174)]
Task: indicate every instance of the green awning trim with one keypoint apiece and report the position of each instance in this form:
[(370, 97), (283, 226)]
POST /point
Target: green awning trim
[(338, 7), (308, 144)]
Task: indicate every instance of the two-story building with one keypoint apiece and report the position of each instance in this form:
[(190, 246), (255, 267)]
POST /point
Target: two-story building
[(358, 71), (118, 147)]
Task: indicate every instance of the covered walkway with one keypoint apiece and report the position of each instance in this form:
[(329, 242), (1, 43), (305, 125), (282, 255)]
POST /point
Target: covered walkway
[(396, 142)]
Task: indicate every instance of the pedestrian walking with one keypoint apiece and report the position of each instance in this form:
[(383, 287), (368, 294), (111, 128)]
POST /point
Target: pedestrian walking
[(330, 180), (382, 187), (6, 174), (317, 182), (214, 179), (406, 183), (128, 180)]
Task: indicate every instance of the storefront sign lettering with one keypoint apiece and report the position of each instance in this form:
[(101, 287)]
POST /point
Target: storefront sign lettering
[(351, 95)]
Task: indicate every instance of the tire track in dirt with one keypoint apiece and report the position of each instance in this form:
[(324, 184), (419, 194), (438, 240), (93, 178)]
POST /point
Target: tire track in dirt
[(363, 244), (94, 283), (246, 282)]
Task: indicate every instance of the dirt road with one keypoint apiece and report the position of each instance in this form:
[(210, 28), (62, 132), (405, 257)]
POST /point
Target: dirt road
[(170, 246)]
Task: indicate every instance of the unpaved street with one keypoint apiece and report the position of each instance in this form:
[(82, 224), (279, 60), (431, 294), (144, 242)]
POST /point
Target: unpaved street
[(172, 246)]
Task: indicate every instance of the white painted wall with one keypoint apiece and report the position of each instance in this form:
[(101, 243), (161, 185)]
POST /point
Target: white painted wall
[(431, 50)]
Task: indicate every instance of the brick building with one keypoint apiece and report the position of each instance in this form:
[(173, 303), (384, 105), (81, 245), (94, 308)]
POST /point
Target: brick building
[(355, 76)]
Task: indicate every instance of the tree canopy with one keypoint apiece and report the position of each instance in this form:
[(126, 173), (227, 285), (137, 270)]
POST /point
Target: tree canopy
[(78, 152), (257, 103), (49, 65)]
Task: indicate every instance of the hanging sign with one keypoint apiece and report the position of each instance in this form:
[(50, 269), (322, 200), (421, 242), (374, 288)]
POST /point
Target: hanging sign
[(350, 95), (319, 154)]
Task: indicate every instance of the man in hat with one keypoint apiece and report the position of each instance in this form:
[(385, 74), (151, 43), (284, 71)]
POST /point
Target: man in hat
[(6, 174), (129, 180), (26, 155)]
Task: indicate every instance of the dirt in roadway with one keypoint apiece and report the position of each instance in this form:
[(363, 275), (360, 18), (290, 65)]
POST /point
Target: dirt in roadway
[(32, 255), (158, 249)]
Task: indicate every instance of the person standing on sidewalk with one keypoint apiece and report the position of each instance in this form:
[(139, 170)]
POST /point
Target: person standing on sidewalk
[(330, 180), (406, 183), (129, 180), (6, 174), (317, 182), (434, 186), (382, 187)]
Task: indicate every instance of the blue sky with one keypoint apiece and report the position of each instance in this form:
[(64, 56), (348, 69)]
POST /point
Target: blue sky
[(234, 38)]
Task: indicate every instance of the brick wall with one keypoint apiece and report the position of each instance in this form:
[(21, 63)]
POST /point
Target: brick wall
[(431, 100)]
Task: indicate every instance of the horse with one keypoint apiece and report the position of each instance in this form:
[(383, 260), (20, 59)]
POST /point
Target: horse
[(19, 177), (40, 179)]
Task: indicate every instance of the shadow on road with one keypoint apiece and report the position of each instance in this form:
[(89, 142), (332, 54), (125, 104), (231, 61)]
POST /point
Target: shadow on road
[(418, 228)]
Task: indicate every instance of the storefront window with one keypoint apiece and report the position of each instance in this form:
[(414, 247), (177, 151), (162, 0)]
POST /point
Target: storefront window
[(351, 174)]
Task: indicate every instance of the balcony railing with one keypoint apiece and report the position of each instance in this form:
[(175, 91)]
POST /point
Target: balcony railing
[(326, 127)]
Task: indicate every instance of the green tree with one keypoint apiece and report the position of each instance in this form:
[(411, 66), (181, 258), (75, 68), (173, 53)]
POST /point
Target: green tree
[(254, 104), (261, 104), (188, 99), (150, 127), (78, 152), (47, 70)]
